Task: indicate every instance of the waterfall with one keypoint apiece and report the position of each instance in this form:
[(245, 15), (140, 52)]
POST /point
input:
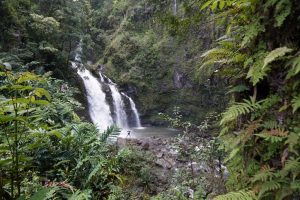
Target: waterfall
[(135, 111), (175, 7), (99, 109), (121, 117)]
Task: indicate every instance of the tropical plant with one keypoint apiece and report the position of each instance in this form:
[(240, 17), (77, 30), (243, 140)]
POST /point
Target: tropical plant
[(262, 159)]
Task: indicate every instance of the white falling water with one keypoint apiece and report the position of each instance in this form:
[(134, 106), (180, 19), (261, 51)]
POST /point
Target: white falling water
[(135, 111), (99, 109), (101, 78), (175, 7), (121, 117)]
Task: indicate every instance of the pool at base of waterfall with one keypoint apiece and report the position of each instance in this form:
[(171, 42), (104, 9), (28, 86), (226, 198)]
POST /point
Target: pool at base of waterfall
[(142, 132)]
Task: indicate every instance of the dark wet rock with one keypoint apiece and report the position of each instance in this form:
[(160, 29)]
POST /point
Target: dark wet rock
[(180, 80), (145, 146)]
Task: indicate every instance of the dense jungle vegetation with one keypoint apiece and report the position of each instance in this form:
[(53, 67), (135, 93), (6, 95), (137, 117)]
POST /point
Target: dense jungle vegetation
[(225, 72)]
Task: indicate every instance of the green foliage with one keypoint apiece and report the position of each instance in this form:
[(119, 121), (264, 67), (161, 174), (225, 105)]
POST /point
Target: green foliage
[(276, 54), (260, 134), (42, 135), (240, 195), (239, 109), (22, 97), (44, 194), (296, 103)]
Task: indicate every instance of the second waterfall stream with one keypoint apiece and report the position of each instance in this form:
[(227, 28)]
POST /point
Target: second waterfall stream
[(119, 109)]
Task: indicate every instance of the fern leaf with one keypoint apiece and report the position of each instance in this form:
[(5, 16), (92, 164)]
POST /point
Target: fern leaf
[(296, 103), (270, 124), (232, 154), (256, 70), (275, 54), (239, 109), (295, 185), (95, 171), (239, 195), (252, 31), (292, 141), (81, 195), (112, 130), (270, 138), (268, 186), (295, 67), (293, 166), (277, 132), (264, 175), (44, 194), (238, 88), (282, 10)]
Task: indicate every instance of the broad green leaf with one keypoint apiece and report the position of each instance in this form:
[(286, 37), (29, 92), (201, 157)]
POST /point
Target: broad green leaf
[(214, 5), (18, 100), (56, 133), (41, 102), (40, 92), (5, 161), (221, 4), (21, 87), (27, 76), (206, 4)]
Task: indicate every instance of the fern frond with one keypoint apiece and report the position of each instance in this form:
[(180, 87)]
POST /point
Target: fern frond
[(233, 154), (265, 174), (252, 31), (270, 124), (295, 67), (270, 138), (292, 142), (295, 185), (267, 187), (296, 103), (293, 166), (239, 109), (239, 195), (111, 131), (81, 195), (282, 11), (252, 127), (238, 88), (256, 70), (45, 193), (95, 171), (275, 54), (277, 132)]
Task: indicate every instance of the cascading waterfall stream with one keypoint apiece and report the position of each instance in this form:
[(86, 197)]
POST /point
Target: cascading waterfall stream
[(135, 111), (99, 109), (175, 7), (121, 117)]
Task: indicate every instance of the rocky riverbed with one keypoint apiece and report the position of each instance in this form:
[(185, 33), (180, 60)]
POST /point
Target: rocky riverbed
[(168, 160)]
